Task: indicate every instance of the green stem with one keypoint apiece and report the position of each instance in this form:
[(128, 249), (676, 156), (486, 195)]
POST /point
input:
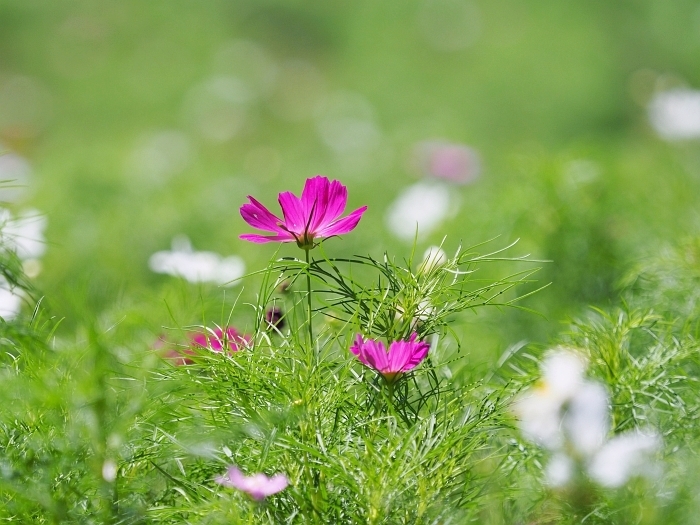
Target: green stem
[(308, 297)]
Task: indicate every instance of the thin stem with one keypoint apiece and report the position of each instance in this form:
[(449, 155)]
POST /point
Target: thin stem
[(308, 297)]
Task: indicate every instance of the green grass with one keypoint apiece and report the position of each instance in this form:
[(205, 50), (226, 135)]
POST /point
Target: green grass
[(551, 94)]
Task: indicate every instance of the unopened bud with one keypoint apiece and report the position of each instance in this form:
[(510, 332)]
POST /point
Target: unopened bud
[(434, 257), (275, 317)]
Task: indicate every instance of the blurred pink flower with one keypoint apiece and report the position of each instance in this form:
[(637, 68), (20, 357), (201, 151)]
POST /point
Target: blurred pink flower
[(217, 338), (401, 357), (214, 340), (314, 216), (448, 161), (257, 486)]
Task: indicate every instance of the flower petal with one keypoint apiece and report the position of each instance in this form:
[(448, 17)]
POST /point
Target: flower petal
[(324, 201), (258, 216), (344, 225), (277, 483), (252, 237), (375, 355), (356, 347), (294, 217), (314, 199), (337, 200), (399, 355), (420, 352)]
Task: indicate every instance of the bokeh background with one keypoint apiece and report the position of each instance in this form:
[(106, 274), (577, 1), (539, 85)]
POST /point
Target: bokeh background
[(140, 127)]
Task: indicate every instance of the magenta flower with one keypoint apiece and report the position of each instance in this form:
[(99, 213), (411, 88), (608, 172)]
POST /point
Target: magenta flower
[(257, 486), (401, 357), (214, 340), (217, 339), (448, 161), (315, 216)]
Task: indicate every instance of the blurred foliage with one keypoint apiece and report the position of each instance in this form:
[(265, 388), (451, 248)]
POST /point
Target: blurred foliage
[(144, 120)]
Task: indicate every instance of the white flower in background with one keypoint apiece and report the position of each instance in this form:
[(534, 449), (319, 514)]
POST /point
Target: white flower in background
[(24, 234), (195, 266), (625, 456), (451, 162), (434, 257), (559, 470), (540, 408), (569, 416), (538, 411), (15, 175), (10, 300), (675, 114), (423, 205), (586, 420), (562, 373)]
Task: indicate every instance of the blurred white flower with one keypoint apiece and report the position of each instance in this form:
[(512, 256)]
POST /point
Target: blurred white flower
[(587, 421), (538, 411), (24, 234), (10, 300), (675, 114), (559, 470), (625, 456), (448, 161), (570, 416), (109, 470), (562, 373), (434, 257), (541, 409), (195, 266), (15, 175), (423, 205)]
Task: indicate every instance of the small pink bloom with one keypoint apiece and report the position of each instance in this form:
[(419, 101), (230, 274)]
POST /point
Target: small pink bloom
[(257, 486), (313, 216), (214, 340), (448, 161), (401, 357), (217, 339)]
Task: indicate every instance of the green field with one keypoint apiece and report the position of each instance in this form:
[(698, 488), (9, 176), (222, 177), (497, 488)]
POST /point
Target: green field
[(126, 126)]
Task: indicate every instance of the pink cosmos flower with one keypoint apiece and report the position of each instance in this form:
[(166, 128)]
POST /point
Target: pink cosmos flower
[(401, 357), (214, 340), (448, 161), (257, 486), (313, 216)]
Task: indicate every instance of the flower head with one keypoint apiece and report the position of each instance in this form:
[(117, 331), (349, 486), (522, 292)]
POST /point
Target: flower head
[(455, 163), (274, 316), (401, 357), (214, 340), (257, 486), (313, 216)]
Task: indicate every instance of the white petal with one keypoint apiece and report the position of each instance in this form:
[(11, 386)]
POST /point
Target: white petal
[(624, 456), (587, 420)]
